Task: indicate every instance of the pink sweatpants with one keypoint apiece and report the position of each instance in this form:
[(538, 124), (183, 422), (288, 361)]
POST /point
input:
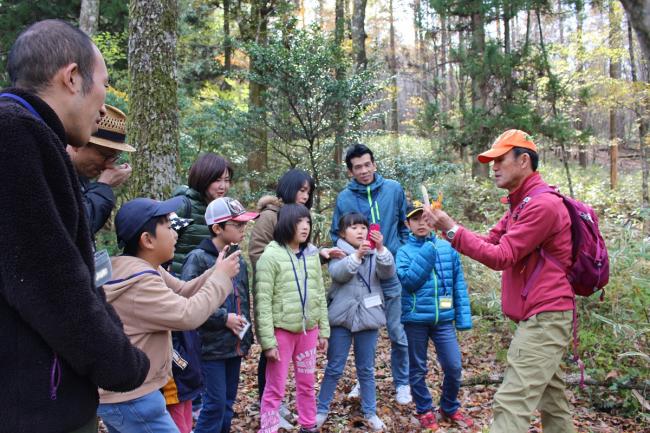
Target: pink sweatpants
[(182, 415), (301, 349)]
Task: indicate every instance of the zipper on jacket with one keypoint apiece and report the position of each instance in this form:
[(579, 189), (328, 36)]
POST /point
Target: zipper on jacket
[(435, 293)]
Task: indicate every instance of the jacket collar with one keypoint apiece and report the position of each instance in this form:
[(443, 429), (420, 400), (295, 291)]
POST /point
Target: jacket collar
[(356, 187), (208, 246), (530, 183), (417, 240), (49, 116)]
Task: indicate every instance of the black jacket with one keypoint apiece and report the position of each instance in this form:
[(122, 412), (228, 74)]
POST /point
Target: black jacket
[(55, 327), (99, 200), (218, 341)]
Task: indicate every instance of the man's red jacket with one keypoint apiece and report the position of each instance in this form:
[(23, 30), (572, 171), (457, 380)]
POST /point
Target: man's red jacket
[(512, 246)]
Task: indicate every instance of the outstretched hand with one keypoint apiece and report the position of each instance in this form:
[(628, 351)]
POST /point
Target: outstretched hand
[(438, 219)]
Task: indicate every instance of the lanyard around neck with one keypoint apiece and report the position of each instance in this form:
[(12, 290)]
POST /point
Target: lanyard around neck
[(367, 283), (303, 295)]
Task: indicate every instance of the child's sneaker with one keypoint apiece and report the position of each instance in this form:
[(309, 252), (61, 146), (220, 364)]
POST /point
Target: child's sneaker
[(458, 418), (376, 424), (285, 424), (428, 420), (320, 419), (355, 391), (309, 429), (403, 395)]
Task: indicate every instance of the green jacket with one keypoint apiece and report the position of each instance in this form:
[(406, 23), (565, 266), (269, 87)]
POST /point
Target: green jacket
[(193, 207), (277, 299)]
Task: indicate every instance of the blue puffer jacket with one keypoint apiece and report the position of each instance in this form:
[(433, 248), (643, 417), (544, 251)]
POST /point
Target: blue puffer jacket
[(388, 209), (430, 270)]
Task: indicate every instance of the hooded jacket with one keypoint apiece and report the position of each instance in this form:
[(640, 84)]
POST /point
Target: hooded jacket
[(430, 270), (60, 339), (277, 300), (190, 237), (262, 233), (152, 303), (352, 282), (218, 341), (512, 246), (388, 209)]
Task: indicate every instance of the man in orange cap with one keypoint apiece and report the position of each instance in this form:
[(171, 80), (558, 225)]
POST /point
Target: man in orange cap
[(535, 292), (97, 160)]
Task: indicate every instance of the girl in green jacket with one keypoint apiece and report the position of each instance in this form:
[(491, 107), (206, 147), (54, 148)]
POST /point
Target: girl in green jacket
[(291, 316)]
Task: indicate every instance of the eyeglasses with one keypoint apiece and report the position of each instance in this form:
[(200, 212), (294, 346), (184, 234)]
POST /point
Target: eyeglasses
[(238, 225), (109, 156)]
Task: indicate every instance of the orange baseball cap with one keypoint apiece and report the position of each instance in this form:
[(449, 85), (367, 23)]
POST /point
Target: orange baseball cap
[(506, 141)]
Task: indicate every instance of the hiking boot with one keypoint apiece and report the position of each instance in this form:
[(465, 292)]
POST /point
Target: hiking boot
[(403, 395), (457, 418), (375, 423), (355, 391), (320, 419), (428, 420)]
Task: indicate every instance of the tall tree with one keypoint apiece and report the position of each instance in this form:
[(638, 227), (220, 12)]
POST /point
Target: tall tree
[(339, 35), (638, 12), (582, 103), (89, 16), (153, 114), (359, 34), (616, 46), (392, 66), (479, 84)]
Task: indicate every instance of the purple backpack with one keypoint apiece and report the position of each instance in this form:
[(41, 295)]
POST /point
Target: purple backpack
[(589, 271)]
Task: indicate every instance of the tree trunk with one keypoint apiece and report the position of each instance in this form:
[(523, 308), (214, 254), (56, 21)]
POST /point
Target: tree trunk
[(227, 46), (582, 104), (638, 12), (359, 34), (560, 21), (392, 62), (153, 113), (339, 35), (258, 158), (642, 110), (616, 44), (479, 93), (447, 78), (89, 16)]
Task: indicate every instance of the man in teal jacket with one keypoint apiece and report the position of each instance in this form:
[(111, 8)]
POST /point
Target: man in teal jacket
[(383, 202)]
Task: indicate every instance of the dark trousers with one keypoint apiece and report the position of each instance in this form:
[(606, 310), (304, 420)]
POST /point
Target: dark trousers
[(221, 379), (444, 339)]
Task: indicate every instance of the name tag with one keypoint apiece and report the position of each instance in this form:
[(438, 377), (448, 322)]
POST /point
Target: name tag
[(103, 269), (372, 301), (445, 302)]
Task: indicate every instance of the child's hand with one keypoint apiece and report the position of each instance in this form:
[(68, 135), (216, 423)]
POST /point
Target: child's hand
[(235, 323), (364, 248), (322, 344), (332, 253), (230, 265), (378, 239), (272, 354)]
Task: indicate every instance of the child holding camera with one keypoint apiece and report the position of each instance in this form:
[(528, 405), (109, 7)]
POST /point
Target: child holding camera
[(356, 312), (226, 336)]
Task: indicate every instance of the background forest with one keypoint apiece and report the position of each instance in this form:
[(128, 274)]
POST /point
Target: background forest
[(427, 84)]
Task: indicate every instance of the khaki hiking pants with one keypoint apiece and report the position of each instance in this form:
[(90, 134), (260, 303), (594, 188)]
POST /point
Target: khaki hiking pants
[(533, 378)]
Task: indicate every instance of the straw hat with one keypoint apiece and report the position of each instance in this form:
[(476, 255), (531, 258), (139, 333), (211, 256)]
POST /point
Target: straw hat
[(112, 131)]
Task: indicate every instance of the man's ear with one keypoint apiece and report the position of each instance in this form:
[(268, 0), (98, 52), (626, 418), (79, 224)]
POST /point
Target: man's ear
[(70, 78)]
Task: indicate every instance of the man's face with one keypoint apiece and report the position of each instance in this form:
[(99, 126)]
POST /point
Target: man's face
[(91, 159), (363, 169), (89, 107), (509, 171)]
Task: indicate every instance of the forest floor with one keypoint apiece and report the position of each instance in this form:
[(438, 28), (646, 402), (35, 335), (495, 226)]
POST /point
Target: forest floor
[(480, 353)]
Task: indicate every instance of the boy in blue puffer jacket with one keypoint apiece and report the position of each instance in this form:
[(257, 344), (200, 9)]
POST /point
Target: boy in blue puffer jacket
[(434, 297)]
